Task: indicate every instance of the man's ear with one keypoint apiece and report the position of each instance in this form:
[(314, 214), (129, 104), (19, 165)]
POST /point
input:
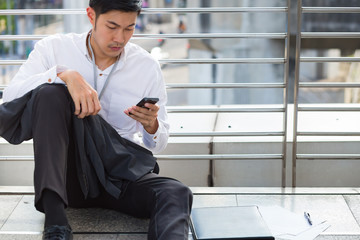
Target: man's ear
[(91, 15)]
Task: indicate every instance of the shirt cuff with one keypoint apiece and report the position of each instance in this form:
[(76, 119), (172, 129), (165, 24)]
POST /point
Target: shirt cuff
[(61, 68), (153, 137), (151, 140), (54, 71)]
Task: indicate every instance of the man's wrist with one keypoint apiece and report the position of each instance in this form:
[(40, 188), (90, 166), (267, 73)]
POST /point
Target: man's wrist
[(152, 129), (62, 76), (60, 69)]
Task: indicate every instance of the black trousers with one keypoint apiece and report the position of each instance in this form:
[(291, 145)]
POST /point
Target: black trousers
[(166, 201)]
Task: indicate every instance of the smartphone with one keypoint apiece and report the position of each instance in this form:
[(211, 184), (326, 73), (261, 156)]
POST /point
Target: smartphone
[(147, 100)]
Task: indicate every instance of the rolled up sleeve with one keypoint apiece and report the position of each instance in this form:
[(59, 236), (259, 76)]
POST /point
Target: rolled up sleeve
[(38, 69)]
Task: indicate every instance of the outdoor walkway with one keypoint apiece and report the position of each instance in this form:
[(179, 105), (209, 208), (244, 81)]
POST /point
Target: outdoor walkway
[(339, 206)]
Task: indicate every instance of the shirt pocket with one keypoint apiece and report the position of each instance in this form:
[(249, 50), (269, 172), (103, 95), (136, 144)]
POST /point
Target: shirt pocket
[(116, 116)]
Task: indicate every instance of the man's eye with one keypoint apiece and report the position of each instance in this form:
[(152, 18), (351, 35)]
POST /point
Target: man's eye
[(129, 29), (112, 28)]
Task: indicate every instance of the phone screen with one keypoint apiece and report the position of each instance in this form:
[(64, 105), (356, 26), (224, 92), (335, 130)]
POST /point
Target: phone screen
[(147, 100)]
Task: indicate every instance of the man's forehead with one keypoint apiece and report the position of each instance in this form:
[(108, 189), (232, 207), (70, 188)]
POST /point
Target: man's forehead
[(119, 17), (118, 13)]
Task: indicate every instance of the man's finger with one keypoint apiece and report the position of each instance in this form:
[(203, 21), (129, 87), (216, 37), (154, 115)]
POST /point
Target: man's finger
[(90, 106), (96, 105), (84, 109), (152, 107), (77, 107)]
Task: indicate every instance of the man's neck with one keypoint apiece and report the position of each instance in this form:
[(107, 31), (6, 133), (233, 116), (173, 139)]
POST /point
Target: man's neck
[(102, 62)]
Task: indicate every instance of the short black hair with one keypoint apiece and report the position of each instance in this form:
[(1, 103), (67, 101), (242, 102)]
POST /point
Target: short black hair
[(104, 6)]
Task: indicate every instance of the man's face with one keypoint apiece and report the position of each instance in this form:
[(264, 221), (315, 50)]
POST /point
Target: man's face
[(111, 31)]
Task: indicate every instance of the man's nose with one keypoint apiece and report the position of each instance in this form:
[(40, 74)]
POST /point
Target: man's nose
[(119, 37)]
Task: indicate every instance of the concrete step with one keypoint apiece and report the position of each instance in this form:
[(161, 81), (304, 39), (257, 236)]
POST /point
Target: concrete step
[(77, 236), (340, 207), (23, 149), (20, 220)]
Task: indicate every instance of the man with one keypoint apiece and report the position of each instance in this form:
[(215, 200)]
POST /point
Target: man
[(104, 75)]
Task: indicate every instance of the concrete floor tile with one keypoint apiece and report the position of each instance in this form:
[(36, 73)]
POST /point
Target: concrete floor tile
[(7, 205), (214, 201), (104, 220), (24, 217), (330, 237), (95, 236), (332, 208), (109, 237), (132, 237), (76, 237), (20, 236), (353, 202)]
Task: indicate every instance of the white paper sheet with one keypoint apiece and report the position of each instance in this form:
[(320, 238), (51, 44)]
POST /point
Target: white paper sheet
[(285, 224), (309, 234)]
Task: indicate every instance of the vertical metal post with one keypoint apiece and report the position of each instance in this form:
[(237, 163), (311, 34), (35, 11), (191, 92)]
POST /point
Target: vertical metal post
[(9, 23), (286, 90), (296, 90)]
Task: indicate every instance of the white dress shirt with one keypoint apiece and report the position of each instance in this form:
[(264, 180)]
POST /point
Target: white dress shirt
[(137, 75)]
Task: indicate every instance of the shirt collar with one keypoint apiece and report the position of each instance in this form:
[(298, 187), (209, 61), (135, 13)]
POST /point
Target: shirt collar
[(82, 45)]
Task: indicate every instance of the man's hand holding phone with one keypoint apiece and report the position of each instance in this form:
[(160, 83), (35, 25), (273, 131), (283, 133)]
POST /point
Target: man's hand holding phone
[(145, 112)]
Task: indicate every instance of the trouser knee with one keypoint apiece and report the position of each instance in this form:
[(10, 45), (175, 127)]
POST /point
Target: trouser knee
[(52, 97), (180, 192)]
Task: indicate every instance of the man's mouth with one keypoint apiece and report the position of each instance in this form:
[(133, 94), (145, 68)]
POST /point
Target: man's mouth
[(115, 48)]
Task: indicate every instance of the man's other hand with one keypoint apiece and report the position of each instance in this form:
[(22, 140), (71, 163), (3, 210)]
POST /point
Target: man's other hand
[(84, 96), (146, 116)]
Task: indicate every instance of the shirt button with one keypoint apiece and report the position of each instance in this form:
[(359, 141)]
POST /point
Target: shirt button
[(100, 74), (155, 137), (49, 80)]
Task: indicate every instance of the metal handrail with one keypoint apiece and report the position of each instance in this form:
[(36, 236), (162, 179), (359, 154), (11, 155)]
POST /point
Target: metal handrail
[(11, 62), (147, 10), (328, 109), (21, 37), (296, 89), (216, 10), (214, 85), (286, 96), (224, 110), (330, 34), (224, 85), (181, 157), (329, 59), (192, 61), (329, 156), (329, 85), (168, 36), (328, 133), (261, 85), (16, 158), (221, 157), (331, 9), (225, 61), (226, 134)]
